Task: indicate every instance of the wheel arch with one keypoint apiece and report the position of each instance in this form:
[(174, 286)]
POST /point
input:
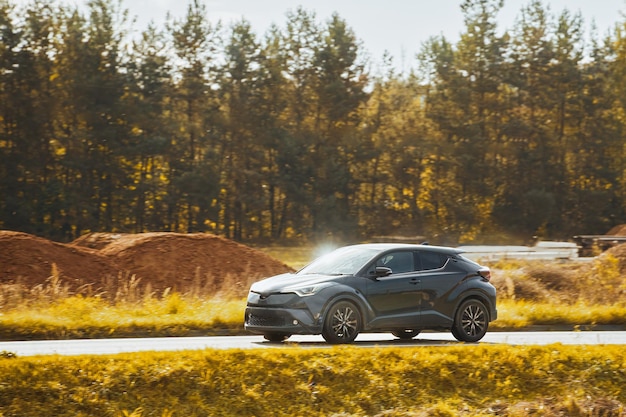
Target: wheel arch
[(353, 298), (475, 295)]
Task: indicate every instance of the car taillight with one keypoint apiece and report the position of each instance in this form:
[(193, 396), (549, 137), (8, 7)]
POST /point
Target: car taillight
[(485, 273)]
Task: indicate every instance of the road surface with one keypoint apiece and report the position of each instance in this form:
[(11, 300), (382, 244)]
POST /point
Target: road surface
[(112, 346)]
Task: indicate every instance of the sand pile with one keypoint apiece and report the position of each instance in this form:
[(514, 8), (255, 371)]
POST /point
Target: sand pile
[(162, 260)]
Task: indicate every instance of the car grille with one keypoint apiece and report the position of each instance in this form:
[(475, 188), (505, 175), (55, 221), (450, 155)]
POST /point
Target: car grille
[(266, 319)]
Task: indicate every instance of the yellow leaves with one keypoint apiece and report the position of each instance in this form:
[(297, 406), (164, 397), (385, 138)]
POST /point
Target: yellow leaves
[(57, 148), (254, 392), (424, 197), (507, 385), (446, 380), (138, 412), (400, 206), (584, 182), (445, 373)]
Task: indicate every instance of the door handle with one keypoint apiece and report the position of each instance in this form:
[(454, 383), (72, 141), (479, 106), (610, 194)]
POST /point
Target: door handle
[(415, 281)]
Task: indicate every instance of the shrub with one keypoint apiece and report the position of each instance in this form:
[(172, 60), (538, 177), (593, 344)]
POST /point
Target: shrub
[(468, 380)]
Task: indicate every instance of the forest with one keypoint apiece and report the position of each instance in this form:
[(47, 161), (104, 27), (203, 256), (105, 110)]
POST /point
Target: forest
[(298, 134)]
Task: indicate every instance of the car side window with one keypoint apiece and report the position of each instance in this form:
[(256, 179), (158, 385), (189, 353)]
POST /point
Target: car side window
[(398, 262), (431, 260)]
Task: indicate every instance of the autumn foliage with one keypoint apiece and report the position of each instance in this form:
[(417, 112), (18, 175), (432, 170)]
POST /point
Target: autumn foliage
[(296, 133)]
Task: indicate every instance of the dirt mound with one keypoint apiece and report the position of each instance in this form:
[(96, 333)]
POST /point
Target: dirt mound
[(96, 240), (619, 230), (161, 260), (182, 261), (28, 260)]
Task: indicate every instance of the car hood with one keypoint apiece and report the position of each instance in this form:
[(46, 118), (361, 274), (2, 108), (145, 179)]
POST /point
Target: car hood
[(284, 282)]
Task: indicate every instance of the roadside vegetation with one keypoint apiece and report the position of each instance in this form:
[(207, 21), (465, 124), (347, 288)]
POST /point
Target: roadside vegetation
[(450, 379), (554, 295), (456, 380)]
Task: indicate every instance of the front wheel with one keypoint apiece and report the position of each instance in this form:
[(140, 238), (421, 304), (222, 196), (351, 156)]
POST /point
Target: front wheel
[(342, 323), (471, 321)]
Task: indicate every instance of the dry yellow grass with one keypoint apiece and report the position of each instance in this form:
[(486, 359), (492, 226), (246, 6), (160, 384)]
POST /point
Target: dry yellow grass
[(470, 380), (575, 295)]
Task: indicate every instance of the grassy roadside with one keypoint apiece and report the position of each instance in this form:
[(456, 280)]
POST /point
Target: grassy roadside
[(340, 381), (468, 380), (176, 315), (91, 317), (553, 295)]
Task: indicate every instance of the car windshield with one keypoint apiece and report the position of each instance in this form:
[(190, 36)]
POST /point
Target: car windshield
[(344, 261)]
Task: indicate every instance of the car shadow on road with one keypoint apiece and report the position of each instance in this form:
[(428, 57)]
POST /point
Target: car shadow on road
[(367, 343)]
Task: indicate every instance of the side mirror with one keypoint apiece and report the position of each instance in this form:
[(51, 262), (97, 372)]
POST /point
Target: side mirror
[(382, 271)]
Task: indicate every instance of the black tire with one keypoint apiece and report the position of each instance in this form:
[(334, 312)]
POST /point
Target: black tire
[(471, 321), (407, 334), (342, 323), (455, 333), (276, 337)]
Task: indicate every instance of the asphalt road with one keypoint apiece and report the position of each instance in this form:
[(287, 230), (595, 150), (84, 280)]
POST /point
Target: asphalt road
[(112, 346)]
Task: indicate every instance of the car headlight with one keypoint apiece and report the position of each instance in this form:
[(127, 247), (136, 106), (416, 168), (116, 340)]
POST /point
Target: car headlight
[(308, 290)]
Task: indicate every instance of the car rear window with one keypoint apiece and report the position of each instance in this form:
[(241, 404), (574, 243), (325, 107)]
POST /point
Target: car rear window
[(432, 260)]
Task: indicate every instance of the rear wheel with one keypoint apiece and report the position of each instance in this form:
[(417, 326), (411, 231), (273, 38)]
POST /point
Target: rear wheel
[(342, 323), (405, 334), (471, 321), (276, 337)]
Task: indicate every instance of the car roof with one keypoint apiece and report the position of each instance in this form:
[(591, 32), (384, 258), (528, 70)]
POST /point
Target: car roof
[(408, 246)]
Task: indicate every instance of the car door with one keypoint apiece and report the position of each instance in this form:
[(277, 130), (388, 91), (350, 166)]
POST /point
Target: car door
[(438, 280), (395, 298)]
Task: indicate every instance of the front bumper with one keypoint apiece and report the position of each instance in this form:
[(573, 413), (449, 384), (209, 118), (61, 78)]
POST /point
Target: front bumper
[(282, 313), (262, 320)]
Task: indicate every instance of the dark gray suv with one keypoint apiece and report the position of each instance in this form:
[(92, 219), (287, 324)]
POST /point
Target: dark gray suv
[(378, 287)]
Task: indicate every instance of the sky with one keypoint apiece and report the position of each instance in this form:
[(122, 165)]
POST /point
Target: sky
[(397, 26)]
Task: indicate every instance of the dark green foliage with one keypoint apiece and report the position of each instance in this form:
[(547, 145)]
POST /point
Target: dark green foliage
[(196, 127)]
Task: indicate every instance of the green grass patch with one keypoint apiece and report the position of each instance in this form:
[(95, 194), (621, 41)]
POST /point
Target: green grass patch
[(468, 380)]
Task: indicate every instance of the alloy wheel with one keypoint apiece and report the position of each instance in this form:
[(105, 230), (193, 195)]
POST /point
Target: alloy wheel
[(471, 322), (342, 324)]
